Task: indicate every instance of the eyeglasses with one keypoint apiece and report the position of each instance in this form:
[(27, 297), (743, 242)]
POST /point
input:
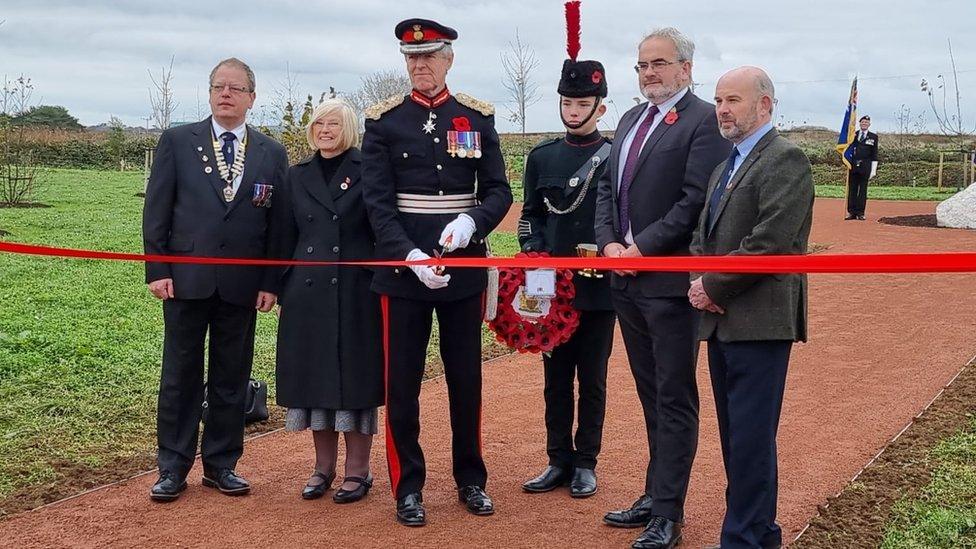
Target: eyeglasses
[(217, 88), (656, 66)]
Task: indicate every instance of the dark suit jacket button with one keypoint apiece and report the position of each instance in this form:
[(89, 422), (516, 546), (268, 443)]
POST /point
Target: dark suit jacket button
[(335, 281), (309, 249), (308, 281), (222, 246), (335, 218), (310, 217), (335, 249)]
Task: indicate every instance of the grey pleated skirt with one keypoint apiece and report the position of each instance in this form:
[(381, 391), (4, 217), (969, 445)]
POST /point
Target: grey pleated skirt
[(340, 421)]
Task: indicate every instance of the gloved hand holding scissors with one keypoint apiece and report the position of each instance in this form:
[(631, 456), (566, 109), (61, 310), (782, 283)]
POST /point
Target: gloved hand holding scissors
[(457, 234)]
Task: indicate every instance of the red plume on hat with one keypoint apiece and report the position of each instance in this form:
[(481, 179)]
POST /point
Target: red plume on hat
[(573, 29)]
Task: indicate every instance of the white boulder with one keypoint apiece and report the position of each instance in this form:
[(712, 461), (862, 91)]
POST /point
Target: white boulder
[(958, 211)]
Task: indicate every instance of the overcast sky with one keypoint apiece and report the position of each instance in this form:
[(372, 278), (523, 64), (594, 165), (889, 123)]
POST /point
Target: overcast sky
[(92, 56)]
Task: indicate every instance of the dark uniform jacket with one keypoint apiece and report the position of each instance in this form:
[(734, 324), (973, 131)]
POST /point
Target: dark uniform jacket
[(767, 209), (400, 157), (330, 352), (864, 153), (549, 171), (185, 215)]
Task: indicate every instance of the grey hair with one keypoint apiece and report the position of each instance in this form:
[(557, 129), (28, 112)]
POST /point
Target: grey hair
[(764, 85), (684, 45), (237, 64)]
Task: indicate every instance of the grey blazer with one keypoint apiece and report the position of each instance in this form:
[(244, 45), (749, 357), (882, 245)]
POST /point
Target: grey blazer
[(767, 209)]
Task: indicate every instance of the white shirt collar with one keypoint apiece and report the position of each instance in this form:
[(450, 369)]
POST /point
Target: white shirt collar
[(238, 131), (672, 101)]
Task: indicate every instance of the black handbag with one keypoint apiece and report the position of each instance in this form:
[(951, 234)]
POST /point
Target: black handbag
[(255, 402)]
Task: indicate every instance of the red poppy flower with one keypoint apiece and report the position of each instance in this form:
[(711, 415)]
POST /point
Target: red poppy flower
[(597, 77), (462, 124), (671, 117)]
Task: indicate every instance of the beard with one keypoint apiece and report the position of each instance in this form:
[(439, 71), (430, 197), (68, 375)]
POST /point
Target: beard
[(659, 93), (740, 126)]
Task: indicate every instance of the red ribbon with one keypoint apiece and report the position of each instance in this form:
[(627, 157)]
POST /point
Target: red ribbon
[(962, 262)]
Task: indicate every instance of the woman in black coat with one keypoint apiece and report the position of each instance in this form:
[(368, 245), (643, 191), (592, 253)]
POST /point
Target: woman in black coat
[(329, 367)]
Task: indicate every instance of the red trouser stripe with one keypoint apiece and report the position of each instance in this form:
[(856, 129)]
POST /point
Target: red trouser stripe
[(392, 458)]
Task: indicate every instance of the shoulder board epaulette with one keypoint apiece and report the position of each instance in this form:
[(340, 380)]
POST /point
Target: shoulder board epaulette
[(547, 141), (483, 107), (377, 110)]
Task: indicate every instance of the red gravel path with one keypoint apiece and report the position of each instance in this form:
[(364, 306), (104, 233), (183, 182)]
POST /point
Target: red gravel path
[(880, 348)]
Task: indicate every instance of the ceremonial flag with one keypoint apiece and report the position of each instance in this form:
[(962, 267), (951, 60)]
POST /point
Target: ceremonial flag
[(848, 128)]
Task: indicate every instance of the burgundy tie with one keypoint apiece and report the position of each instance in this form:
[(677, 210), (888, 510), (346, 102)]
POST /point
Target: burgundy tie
[(623, 197)]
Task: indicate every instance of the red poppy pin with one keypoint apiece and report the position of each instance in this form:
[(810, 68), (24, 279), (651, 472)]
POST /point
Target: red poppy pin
[(671, 117), (462, 124), (597, 77)]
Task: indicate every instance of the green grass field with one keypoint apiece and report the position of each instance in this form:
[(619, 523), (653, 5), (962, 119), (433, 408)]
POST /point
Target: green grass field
[(944, 514), (80, 340), (888, 193)]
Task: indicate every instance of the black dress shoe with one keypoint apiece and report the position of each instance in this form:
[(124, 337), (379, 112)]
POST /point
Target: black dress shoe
[(550, 479), (860, 218), (583, 484), (315, 491), (349, 496), (168, 487), (661, 533), (410, 510), (227, 481), (637, 516), (476, 500), (850, 217)]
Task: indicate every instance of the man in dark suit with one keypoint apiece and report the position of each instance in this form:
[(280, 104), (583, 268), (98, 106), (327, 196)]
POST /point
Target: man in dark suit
[(648, 203), (864, 165), (210, 195), (760, 203), (433, 182)]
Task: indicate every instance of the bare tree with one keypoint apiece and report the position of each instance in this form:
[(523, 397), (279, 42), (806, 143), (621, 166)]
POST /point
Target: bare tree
[(948, 117), (161, 97), (15, 96), (519, 65), (376, 87)]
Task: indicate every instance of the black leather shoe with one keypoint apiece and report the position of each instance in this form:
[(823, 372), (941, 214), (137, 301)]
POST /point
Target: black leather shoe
[(850, 217), (637, 516), (661, 533), (860, 218), (476, 500), (167, 488), (583, 484), (550, 479), (227, 481), (349, 496), (410, 510), (315, 491)]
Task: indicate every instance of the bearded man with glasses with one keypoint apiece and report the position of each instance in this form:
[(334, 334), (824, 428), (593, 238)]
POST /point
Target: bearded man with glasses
[(648, 202)]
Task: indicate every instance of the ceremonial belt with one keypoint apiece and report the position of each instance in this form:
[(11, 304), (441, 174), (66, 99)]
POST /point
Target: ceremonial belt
[(436, 203)]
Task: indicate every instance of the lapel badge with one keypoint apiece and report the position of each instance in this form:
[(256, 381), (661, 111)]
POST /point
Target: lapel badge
[(671, 117), (208, 170), (574, 181), (345, 184)]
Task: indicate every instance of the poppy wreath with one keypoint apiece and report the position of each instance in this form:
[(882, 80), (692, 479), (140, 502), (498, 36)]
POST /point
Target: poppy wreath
[(534, 335)]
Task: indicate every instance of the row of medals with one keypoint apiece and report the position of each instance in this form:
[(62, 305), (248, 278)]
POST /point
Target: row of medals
[(227, 174), (454, 146)]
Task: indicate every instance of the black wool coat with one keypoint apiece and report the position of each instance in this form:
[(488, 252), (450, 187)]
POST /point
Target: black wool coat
[(330, 341)]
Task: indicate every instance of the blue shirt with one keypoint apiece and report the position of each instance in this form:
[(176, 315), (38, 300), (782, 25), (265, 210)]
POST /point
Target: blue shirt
[(746, 145)]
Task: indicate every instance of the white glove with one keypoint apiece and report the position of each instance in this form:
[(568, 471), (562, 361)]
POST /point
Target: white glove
[(874, 169), (426, 273), (457, 233)]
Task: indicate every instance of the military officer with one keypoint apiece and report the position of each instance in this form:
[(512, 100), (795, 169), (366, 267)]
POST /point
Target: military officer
[(863, 167), (433, 183), (560, 180)]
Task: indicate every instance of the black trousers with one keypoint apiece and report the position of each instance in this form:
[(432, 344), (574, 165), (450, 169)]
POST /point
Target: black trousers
[(406, 324), (584, 357), (661, 337), (857, 192), (748, 380), (231, 352)]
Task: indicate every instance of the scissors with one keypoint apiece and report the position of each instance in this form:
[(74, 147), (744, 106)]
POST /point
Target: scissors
[(439, 254)]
